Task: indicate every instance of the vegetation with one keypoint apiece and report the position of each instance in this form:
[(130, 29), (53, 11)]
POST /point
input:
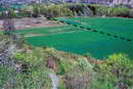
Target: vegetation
[(77, 40), (69, 10), (114, 73), (74, 71), (23, 66), (110, 11)]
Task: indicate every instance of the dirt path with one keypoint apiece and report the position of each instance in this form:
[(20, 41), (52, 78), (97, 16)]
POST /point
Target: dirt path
[(55, 80)]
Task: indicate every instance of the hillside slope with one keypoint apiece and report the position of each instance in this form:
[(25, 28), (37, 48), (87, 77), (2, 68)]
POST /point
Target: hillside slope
[(27, 67)]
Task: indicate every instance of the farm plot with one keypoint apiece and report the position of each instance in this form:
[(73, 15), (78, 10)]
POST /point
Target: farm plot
[(122, 27), (76, 40), (47, 30)]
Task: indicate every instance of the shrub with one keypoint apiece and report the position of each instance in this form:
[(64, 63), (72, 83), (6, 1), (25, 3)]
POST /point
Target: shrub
[(131, 13), (100, 10), (37, 73), (27, 11), (116, 72), (57, 11), (120, 12), (80, 9), (36, 10), (79, 77), (37, 79), (5, 75)]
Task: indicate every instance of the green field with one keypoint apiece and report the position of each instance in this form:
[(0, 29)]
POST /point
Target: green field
[(117, 26), (76, 40)]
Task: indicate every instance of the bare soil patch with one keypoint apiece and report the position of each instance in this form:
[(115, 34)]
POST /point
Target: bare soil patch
[(23, 23)]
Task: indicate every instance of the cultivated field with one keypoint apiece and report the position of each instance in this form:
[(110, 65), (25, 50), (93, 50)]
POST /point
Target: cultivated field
[(109, 35)]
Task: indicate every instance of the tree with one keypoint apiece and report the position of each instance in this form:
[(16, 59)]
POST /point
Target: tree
[(8, 23)]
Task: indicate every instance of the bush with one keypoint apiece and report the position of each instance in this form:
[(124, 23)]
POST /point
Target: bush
[(115, 73), (37, 79), (80, 76), (57, 11), (100, 10), (26, 11), (36, 75), (131, 13), (80, 9), (5, 75), (124, 12)]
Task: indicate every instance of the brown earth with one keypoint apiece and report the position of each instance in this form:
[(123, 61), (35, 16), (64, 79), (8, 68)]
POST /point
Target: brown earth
[(23, 23)]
